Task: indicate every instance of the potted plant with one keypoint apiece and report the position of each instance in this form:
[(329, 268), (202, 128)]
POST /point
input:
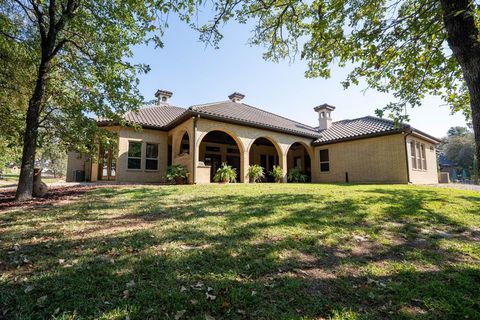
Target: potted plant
[(296, 175), (255, 173), (225, 174), (176, 174), (277, 173)]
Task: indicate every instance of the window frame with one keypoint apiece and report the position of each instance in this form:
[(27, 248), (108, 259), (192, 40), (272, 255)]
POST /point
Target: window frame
[(324, 162), (423, 156), (413, 153), (146, 158), (134, 157)]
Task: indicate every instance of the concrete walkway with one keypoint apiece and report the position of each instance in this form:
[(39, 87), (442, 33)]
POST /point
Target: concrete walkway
[(460, 186)]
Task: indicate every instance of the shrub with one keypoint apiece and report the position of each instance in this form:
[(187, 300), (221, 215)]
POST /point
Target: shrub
[(255, 173), (176, 174), (296, 175), (225, 174), (277, 173)]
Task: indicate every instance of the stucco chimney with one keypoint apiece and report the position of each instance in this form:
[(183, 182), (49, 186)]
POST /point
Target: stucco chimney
[(163, 96), (324, 116), (236, 97)]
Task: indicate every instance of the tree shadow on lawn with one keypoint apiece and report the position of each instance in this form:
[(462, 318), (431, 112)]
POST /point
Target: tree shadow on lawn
[(262, 258)]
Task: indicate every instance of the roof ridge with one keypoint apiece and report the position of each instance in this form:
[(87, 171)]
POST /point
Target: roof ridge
[(313, 128), (206, 104)]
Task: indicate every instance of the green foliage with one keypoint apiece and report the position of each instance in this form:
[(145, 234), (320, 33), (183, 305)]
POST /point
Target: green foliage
[(52, 156), (395, 46), (255, 173), (176, 173), (277, 173), (459, 147), (297, 175), (225, 173)]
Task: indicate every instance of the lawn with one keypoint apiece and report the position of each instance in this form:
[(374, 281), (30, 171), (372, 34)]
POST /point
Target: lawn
[(264, 251)]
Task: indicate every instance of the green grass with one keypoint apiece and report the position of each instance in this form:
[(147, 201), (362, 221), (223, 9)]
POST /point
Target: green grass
[(263, 251), (12, 180)]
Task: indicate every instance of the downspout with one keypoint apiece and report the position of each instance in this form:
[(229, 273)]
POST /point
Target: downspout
[(194, 153), (406, 155)]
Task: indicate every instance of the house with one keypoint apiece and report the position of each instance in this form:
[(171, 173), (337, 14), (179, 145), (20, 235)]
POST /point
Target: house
[(362, 150)]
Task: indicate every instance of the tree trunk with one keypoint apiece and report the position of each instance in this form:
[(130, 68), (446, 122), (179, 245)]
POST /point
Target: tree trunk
[(463, 39), (25, 182)]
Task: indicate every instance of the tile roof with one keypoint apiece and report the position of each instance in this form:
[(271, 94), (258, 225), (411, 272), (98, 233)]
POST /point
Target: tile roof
[(244, 113), (165, 116), (355, 128), (154, 115)]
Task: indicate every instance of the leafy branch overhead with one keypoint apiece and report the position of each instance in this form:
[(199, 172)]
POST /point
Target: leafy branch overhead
[(395, 46)]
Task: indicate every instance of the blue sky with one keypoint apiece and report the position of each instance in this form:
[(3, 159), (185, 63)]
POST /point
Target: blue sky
[(198, 74)]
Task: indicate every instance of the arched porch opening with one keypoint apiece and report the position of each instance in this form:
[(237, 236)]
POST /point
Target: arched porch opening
[(298, 159), (217, 147), (265, 153)]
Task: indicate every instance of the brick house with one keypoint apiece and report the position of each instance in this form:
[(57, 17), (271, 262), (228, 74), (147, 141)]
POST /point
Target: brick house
[(362, 150)]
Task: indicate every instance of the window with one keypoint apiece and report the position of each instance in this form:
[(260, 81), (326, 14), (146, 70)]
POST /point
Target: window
[(151, 156), (419, 159), (413, 154), (424, 157), (324, 161), (212, 149), (418, 155), (134, 155)]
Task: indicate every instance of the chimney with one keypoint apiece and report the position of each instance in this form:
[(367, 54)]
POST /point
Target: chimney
[(163, 96), (236, 97), (324, 116)]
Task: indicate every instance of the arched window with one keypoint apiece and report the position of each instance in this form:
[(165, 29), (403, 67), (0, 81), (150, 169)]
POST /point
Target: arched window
[(185, 144)]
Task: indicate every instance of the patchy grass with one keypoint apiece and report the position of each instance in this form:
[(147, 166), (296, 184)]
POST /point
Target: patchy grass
[(11, 180), (264, 251)]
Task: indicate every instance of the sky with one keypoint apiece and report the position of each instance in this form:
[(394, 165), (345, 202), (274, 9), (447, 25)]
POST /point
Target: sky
[(198, 74)]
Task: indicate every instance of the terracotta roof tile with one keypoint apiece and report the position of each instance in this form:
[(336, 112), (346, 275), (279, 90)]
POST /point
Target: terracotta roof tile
[(155, 116), (250, 115), (350, 129)]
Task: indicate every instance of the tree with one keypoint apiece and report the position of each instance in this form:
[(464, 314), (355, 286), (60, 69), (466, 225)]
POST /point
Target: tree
[(411, 48), (79, 51), (459, 147)]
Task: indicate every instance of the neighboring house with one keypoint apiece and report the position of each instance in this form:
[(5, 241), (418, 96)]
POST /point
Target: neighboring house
[(446, 165), (362, 150)]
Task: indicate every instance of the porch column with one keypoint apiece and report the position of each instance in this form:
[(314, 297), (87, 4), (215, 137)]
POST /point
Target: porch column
[(245, 163), (283, 165)]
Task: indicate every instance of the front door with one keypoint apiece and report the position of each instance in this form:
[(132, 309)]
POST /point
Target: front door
[(215, 161), (234, 161), (108, 165)]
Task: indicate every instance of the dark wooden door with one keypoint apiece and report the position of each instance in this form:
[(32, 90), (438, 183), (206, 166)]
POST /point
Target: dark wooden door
[(215, 161), (234, 161)]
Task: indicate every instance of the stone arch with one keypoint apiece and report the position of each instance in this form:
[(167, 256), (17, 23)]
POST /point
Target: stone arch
[(266, 152), (221, 145), (299, 155)]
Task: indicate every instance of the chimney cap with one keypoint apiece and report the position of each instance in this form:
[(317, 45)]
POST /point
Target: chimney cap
[(324, 106), (236, 96), (165, 93)]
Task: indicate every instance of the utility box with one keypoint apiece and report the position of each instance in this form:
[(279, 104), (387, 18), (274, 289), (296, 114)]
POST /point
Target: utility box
[(79, 175)]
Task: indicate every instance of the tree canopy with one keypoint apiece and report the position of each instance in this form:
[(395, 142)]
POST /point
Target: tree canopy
[(75, 66)]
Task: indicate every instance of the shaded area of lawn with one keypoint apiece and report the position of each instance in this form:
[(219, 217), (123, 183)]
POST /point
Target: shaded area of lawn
[(270, 251)]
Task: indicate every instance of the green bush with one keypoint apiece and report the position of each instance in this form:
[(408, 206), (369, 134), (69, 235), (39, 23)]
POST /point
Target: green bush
[(277, 173), (225, 174), (255, 173), (176, 174), (296, 175)]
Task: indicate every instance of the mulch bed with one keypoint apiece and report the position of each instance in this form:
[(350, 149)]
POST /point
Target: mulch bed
[(7, 197)]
